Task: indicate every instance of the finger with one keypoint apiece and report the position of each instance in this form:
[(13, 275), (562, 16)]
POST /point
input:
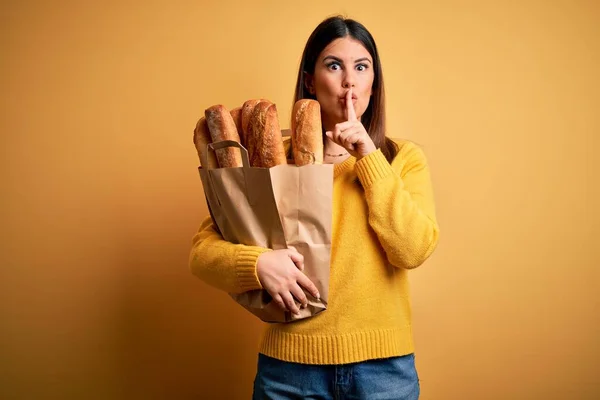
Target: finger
[(290, 303), (279, 301), (350, 137), (299, 295), (342, 126), (297, 259), (337, 134), (332, 134), (307, 284), (348, 130), (350, 112), (342, 140)]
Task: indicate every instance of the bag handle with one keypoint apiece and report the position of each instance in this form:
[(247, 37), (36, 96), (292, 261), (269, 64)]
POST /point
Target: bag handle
[(220, 145), (245, 164)]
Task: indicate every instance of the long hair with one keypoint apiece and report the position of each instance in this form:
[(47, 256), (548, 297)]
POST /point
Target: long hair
[(326, 32)]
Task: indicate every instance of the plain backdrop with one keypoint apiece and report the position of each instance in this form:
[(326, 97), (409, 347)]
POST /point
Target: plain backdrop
[(101, 195)]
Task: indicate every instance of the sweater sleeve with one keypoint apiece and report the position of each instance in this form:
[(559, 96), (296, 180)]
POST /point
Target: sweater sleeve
[(222, 264), (401, 206)]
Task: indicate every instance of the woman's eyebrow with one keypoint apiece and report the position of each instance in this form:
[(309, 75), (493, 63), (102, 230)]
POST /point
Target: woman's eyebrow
[(333, 58), (341, 62)]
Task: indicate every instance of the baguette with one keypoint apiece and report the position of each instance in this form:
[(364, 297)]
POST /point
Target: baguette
[(201, 139), (222, 127), (236, 114), (247, 109), (264, 140), (307, 132)]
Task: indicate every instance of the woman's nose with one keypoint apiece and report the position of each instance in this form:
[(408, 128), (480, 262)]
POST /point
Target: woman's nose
[(348, 81)]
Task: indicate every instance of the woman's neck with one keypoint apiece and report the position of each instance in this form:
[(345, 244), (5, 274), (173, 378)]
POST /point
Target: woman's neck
[(333, 149), (329, 125)]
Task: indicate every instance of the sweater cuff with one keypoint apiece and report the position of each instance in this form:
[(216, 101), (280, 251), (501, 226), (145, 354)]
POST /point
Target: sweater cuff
[(246, 268), (372, 168)]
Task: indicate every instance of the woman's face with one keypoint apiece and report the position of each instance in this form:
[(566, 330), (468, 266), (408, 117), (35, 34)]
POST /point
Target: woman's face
[(344, 63)]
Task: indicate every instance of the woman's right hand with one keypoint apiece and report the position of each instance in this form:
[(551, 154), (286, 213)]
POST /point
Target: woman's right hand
[(280, 273)]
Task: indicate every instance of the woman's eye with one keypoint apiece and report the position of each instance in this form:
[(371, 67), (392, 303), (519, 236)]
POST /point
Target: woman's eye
[(361, 67), (334, 66)]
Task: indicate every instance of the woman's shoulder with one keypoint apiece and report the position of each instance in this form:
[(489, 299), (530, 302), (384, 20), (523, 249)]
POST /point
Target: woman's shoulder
[(408, 149)]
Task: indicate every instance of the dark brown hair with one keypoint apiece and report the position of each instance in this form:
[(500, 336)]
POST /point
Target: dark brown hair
[(326, 32)]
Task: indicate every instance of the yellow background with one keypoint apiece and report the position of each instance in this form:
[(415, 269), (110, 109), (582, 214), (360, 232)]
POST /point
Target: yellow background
[(101, 196)]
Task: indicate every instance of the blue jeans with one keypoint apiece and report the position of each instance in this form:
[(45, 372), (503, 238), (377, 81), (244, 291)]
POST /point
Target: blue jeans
[(390, 378)]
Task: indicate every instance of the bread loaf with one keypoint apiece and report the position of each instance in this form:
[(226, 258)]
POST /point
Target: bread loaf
[(222, 127), (236, 114), (201, 139), (264, 141), (247, 109), (307, 133)]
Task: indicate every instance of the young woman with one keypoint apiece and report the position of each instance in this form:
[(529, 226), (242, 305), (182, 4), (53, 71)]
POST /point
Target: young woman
[(384, 224)]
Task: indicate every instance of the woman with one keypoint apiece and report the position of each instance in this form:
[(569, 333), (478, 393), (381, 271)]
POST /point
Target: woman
[(383, 225)]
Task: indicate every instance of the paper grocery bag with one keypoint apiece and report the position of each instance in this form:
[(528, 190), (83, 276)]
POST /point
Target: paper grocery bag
[(277, 208)]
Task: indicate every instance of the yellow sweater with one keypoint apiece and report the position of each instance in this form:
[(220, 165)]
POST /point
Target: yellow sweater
[(379, 232)]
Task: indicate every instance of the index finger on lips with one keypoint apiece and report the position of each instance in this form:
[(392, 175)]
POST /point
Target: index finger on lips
[(350, 112), (342, 126)]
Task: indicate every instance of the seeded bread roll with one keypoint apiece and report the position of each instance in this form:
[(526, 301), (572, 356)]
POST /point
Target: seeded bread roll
[(222, 127), (264, 140), (201, 139), (307, 132)]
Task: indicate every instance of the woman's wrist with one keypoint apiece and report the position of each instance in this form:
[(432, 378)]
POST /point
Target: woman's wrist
[(370, 149)]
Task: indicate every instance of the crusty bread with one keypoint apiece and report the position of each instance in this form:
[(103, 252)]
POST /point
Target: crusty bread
[(247, 109), (307, 132), (264, 141), (236, 114), (201, 139), (222, 127)]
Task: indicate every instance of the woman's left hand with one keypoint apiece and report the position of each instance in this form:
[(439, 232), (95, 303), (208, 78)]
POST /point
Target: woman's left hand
[(351, 134)]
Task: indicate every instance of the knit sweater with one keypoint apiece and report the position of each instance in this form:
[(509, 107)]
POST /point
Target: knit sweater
[(380, 229)]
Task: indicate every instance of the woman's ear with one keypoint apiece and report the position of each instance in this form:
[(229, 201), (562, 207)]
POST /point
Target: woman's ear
[(309, 82)]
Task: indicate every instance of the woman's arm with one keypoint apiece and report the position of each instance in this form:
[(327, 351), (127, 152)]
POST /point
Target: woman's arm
[(221, 264), (401, 204), (236, 268)]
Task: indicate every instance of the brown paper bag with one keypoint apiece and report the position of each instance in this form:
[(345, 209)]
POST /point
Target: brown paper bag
[(277, 208)]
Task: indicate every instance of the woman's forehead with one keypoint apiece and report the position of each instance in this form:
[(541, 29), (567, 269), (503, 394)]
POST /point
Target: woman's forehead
[(346, 48)]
